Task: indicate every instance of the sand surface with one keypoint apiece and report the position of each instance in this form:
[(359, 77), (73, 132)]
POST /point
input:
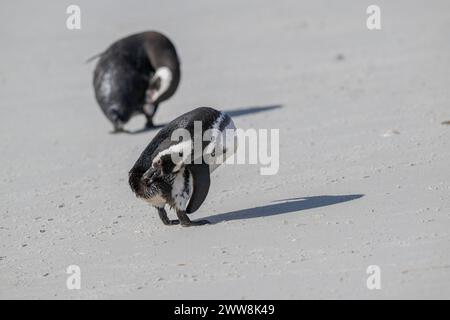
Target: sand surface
[(364, 173)]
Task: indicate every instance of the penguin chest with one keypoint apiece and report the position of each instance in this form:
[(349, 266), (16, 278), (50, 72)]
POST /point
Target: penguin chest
[(182, 189)]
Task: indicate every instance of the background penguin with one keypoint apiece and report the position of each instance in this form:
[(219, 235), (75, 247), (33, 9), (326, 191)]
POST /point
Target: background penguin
[(183, 184), (134, 75)]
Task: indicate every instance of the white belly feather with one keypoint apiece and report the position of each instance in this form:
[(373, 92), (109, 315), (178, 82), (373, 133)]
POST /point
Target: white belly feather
[(181, 194)]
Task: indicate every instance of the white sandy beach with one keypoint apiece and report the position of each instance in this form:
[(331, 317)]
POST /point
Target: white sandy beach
[(364, 173)]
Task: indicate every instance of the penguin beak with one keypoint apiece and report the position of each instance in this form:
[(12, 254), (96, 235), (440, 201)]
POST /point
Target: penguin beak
[(149, 176)]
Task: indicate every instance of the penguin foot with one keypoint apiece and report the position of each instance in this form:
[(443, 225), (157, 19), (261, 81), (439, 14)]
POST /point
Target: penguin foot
[(186, 222), (117, 130), (195, 223), (165, 219), (149, 124), (171, 222)]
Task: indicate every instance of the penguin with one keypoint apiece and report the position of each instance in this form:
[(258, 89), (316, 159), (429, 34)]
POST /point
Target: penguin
[(170, 171), (134, 75)]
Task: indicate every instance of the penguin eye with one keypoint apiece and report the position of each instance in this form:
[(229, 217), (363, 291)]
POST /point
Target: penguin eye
[(213, 154), (180, 153), (157, 163)]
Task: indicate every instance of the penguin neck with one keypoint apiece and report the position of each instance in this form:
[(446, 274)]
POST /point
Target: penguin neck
[(165, 74), (169, 80)]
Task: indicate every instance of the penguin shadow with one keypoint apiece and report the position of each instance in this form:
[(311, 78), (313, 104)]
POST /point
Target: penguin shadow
[(232, 113), (251, 110), (286, 206)]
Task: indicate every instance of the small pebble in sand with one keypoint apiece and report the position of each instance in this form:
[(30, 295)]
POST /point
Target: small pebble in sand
[(390, 133), (62, 205), (340, 57), (446, 123), (46, 275)]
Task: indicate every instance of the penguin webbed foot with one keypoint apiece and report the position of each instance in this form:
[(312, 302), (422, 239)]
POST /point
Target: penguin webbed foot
[(196, 223), (186, 222), (165, 219), (118, 130), (171, 222)]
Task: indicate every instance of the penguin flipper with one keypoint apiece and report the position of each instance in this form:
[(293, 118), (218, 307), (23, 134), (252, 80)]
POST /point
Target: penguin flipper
[(201, 183)]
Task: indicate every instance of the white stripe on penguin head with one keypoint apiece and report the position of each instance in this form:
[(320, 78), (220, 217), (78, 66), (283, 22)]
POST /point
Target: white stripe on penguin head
[(180, 154)]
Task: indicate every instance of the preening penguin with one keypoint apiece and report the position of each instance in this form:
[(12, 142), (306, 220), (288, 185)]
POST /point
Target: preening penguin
[(134, 75), (175, 167)]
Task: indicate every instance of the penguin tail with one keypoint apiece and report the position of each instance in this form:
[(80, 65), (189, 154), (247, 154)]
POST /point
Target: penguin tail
[(98, 55)]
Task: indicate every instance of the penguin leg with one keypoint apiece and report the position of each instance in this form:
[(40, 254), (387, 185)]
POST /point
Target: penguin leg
[(186, 222), (149, 124), (149, 111), (165, 219)]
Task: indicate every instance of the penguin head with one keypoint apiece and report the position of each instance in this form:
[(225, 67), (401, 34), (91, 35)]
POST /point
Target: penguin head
[(164, 164), (150, 184)]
